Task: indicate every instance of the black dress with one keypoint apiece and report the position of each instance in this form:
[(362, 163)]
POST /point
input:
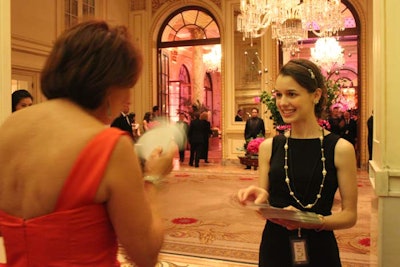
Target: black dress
[(305, 173)]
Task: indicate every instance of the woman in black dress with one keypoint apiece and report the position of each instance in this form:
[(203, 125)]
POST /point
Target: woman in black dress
[(302, 170)]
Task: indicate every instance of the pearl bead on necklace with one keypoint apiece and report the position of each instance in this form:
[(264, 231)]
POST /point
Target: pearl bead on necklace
[(286, 167)]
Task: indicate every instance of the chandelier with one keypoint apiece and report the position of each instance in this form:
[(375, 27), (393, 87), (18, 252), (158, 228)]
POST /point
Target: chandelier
[(212, 60), (287, 24), (327, 53), (255, 17), (322, 17), (290, 20), (289, 33)]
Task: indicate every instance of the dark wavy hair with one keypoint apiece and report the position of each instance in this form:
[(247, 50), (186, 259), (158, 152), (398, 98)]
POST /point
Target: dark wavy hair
[(87, 60), (18, 96), (309, 76), (147, 116)]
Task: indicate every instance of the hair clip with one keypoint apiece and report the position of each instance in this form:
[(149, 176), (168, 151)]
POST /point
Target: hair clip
[(311, 73)]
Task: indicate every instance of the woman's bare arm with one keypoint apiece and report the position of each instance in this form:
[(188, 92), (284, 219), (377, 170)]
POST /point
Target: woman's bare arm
[(133, 206)]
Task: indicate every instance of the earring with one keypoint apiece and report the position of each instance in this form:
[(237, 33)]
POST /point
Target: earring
[(316, 101)]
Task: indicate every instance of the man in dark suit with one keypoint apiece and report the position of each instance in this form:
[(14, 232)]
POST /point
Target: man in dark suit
[(196, 138), (123, 122), (254, 128), (349, 130), (207, 135), (370, 128), (239, 115), (336, 121)]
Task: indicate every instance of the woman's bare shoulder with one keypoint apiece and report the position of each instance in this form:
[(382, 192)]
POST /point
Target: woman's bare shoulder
[(267, 143)]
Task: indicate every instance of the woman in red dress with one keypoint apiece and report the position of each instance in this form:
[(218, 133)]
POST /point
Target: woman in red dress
[(74, 187)]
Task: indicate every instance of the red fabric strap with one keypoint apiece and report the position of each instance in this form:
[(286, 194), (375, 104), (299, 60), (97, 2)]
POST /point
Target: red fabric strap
[(82, 184)]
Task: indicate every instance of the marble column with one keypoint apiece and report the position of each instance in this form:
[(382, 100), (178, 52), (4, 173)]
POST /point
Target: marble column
[(198, 70), (384, 168)]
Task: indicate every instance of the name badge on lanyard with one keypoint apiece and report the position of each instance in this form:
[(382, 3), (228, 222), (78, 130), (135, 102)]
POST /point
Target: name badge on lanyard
[(299, 251)]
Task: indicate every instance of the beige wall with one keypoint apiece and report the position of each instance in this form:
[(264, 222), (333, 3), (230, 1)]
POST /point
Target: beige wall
[(34, 31), (5, 59), (116, 11), (33, 21)]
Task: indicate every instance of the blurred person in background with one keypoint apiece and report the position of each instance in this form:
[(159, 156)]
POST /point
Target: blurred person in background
[(207, 134), (239, 115), (124, 121), (183, 126), (21, 99)]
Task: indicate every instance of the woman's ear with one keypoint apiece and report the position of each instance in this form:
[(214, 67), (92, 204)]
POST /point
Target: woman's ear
[(317, 95)]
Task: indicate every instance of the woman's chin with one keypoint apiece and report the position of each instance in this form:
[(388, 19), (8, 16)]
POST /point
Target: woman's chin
[(287, 120)]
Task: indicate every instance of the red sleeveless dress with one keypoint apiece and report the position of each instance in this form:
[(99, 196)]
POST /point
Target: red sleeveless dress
[(78, 232)]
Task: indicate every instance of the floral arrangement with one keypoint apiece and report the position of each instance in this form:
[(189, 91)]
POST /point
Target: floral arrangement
[(269, 100), (324, 124), (254, 144), (283, 127)]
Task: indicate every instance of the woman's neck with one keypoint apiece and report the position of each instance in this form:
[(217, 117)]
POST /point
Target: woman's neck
[(305, 131)]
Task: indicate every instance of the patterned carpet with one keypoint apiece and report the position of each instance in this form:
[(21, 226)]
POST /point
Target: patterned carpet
[(205, 226), (207, 220)]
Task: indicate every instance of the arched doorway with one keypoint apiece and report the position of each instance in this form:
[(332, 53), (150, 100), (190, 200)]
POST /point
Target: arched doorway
[(184, 77)]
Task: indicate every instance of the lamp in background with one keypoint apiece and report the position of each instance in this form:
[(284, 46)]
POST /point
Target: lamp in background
[(174, 56), (212, 60), (327, 53)]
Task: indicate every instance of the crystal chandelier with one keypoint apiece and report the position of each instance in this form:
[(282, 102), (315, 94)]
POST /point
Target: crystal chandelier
[(284, 16), (327, 53), (322, 17), (289, 33), (212, 60), (287, 24), (290, 20), (255, 17)]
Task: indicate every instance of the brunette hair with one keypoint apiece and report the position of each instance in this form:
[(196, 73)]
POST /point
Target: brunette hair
[(308, 76), (147, 116), (87, 60), (18, 96)]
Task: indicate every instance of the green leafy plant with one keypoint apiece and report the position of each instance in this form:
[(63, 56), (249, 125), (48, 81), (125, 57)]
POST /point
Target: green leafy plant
[(333, 90), (269, 100)]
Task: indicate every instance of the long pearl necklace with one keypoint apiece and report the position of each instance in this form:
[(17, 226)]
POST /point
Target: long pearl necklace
[(286, 167)]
